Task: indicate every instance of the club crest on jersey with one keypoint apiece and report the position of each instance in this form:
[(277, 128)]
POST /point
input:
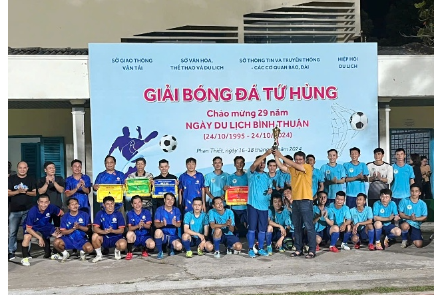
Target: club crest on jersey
[(213, 180), (80, 220), (328, 172), (351, 170), (114, 220), (382, 210), (409, 207), (395, 171), (234, 181), (192, 221), (48, 215)]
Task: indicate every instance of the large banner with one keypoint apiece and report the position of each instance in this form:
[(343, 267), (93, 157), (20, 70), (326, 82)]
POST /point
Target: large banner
[(174, 101)]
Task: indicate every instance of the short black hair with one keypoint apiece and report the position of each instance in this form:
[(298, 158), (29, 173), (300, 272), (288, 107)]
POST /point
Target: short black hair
[(289, 157), (386, 191), (362, 194), (217, 158), (415, 185), (135, 197), (191, 159), (354, 149), (162, 161), (168, 194), (340, 193), (76, 161), (112, 157), (140, 159), (379, 150), (197, 199), (310, 156), (47, 163), (300, 154), (70, 199), (239, 158), (42, 196), (108, 198)]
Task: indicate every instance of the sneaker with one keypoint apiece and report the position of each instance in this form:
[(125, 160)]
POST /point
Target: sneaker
[(82, 255), (281, 250), (129, 256), (200, 252), (236, 252), (56, 256), (357, 245), (25, 262), (145, 253), (386, 242), (378, 246), (11, 256), (371, 247), (262, 252), (404, 243), (117, 254), (65, 256), (229, 251), (251, 253), (189, 254), (97, 258), (306, 248), (317, 248), (333, 249), (293, 248), (160, 255), (345, 246), (217, 254), (171, 253), (255, 248), (269, 249)]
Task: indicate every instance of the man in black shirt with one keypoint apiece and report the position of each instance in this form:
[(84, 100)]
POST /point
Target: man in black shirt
[(21, 193), (163, 165)]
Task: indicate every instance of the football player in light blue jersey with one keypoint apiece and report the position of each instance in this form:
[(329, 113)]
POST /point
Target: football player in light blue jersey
[(259, 194), (196, 229), (274, 176), (339, 219), (139, 221), (279, 224), (222, 222), (356, 177), (191, 184), (333, 176), (385, 212), (413, 211), (167, 222), (108, 228), (74, 227), (215, 182), (403, 177), (239, 178), (284, 178), (320, 225), (317, 178), (362, 227)]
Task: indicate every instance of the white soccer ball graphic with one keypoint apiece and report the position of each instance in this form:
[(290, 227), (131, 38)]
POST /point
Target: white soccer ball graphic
[(168, 143), (358, 121)]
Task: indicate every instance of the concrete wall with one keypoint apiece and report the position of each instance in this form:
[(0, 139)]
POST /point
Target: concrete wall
[(75, 23)]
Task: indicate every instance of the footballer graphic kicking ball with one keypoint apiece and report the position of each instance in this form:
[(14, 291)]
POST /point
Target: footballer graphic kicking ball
[(168, 143), (358, 121)]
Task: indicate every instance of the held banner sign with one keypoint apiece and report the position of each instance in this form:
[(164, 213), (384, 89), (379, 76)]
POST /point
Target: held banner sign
[(174, 101)]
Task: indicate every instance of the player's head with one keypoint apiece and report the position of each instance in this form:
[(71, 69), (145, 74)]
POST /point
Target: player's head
[(197, 204), (415, 190), (72, 204), (310, 159), (361, 199), (354, 152), (322, 197), (141, 160), (400, 154), (239, 162), (287, 192), (340, 198), (169, 199), (76, 166), (191, 163), (163, 165), (261, 166), (385, 196), (48, 163), (136, 202), (110, 162), (217, 163), (378, 154), (43, 202), (217, 203), (272, 165), (109, 204), (277, 202), (332, 155)]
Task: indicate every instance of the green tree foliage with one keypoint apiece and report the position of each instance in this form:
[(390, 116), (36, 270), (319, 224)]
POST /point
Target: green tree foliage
[(426, 17)]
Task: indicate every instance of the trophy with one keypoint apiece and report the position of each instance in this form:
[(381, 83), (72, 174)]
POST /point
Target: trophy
[(275, 134)]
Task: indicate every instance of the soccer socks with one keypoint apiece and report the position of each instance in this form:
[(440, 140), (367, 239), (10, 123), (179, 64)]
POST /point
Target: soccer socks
[(268, 238), (217, 244), (187, 245), (404, 235), (159, 244), (371, 236), (334, 238), (25, 252), (130, 245), (261, 239), (378, 234), (251, 239), (391, 236), (98, 251), (346, 236)]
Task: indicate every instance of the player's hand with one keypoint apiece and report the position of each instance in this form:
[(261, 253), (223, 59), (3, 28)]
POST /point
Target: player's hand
[(174, 221), (41, 242), (141, 224), (282, 231), (228, 222), (413, 217), (75, 225), (165, 223), (354, 229)]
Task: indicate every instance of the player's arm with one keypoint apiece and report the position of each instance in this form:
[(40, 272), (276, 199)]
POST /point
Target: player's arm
[(299, 167), (259, 160), (188, 230), (30, 231), (96, 229), (330, 222), (159, 224)]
